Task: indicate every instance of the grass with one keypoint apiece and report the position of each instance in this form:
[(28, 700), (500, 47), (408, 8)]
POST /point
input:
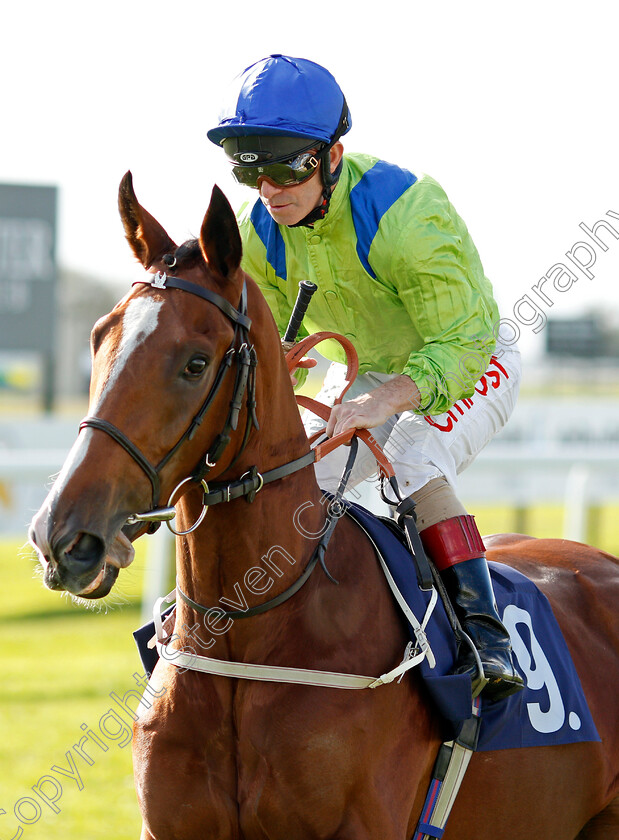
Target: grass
[(60, 664)]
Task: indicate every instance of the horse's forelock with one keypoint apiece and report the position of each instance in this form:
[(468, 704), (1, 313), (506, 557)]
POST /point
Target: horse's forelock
[(188, 255)]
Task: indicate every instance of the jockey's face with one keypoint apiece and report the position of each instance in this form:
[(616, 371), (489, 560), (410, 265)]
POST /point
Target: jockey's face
[(288, 205)]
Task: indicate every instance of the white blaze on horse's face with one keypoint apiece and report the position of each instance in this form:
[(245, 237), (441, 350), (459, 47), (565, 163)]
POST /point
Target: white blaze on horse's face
[(139, 321), (39, 527), (73, 461)]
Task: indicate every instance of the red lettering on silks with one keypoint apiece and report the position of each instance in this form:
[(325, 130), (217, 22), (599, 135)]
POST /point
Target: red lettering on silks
[(484, 386), (494, 377), (494, 361), (467, 403), (446, 428), (481, 388)]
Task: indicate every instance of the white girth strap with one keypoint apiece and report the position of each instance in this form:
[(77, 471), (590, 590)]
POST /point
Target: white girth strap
[(418, 628), (187, 658)]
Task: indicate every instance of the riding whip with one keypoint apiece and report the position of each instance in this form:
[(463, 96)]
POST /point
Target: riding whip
[(306, 290)]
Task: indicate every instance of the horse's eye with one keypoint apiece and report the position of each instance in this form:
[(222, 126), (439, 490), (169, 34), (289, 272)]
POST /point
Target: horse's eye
[(195, 367)]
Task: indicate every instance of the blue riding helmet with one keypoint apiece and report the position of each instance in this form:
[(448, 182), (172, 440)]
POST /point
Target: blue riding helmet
[(285, 96)]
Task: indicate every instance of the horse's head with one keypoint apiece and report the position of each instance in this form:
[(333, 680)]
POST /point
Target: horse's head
[(164, 359)]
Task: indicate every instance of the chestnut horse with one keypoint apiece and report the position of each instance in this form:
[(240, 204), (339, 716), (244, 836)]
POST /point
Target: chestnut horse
[(219, 757)]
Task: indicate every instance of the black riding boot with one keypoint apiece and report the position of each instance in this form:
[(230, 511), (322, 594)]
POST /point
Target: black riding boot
[(470, 590), (467, 581)]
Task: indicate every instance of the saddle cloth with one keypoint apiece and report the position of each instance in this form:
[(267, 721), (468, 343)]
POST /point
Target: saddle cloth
[(551, 709)]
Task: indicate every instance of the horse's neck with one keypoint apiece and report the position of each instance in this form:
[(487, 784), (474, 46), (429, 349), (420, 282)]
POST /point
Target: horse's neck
[(247, 552), (274, 532)]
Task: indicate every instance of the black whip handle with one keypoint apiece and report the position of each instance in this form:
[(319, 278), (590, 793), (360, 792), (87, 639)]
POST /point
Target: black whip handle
[(306, 290)]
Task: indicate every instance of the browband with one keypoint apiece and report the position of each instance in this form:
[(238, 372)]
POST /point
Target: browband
[(162, 281)]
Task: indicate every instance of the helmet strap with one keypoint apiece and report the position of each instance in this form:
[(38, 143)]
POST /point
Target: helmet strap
[(323, 208), (316, 214), (329, 179)]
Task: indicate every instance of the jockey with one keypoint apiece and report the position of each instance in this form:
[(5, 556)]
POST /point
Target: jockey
[(398, 274)]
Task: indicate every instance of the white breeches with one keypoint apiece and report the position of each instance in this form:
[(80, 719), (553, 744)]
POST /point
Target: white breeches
[(424, 448)]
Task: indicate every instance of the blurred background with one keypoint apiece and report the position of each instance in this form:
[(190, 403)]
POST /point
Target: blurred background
[(510, 107)]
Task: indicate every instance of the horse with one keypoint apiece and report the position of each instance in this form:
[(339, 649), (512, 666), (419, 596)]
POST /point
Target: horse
[(229, 758)]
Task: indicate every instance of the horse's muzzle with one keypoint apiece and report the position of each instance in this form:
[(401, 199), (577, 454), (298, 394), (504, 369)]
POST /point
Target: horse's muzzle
[(75, 563)]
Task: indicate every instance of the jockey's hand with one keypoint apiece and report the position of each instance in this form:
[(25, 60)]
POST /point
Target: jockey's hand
[(364, 412), (374, 408), (304, 363)]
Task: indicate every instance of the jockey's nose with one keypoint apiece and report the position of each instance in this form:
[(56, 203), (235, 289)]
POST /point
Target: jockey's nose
[(268, 189)]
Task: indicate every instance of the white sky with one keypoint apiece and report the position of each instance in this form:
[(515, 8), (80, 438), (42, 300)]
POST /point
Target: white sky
[(511, 106)]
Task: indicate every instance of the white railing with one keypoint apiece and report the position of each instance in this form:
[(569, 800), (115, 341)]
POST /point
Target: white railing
[(579, 476), (30, 465), (506, 474), (522, 477)]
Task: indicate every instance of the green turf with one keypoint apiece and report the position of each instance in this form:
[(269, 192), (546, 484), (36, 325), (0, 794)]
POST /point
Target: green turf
[(60, 664)]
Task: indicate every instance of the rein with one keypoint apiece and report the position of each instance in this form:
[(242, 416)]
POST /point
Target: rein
[(247, 486)]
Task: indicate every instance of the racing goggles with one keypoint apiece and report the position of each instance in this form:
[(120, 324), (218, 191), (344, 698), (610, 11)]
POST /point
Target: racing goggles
[(285, 172)]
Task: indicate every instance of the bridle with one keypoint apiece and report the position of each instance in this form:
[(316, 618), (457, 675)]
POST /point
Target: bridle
[(240, 350), (251, 482)]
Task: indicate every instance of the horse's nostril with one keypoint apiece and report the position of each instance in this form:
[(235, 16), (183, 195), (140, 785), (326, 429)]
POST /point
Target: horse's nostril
[(85, 547), (83, 554)]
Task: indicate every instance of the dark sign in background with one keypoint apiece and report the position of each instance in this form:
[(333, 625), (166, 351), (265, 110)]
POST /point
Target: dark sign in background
[(28, 274)]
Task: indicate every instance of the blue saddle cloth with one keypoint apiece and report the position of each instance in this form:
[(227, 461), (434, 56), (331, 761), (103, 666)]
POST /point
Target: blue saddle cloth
[(552, 709)]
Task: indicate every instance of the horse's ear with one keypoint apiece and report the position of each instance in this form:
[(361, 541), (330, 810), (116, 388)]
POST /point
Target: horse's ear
[(148, 240), (220, 240)]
